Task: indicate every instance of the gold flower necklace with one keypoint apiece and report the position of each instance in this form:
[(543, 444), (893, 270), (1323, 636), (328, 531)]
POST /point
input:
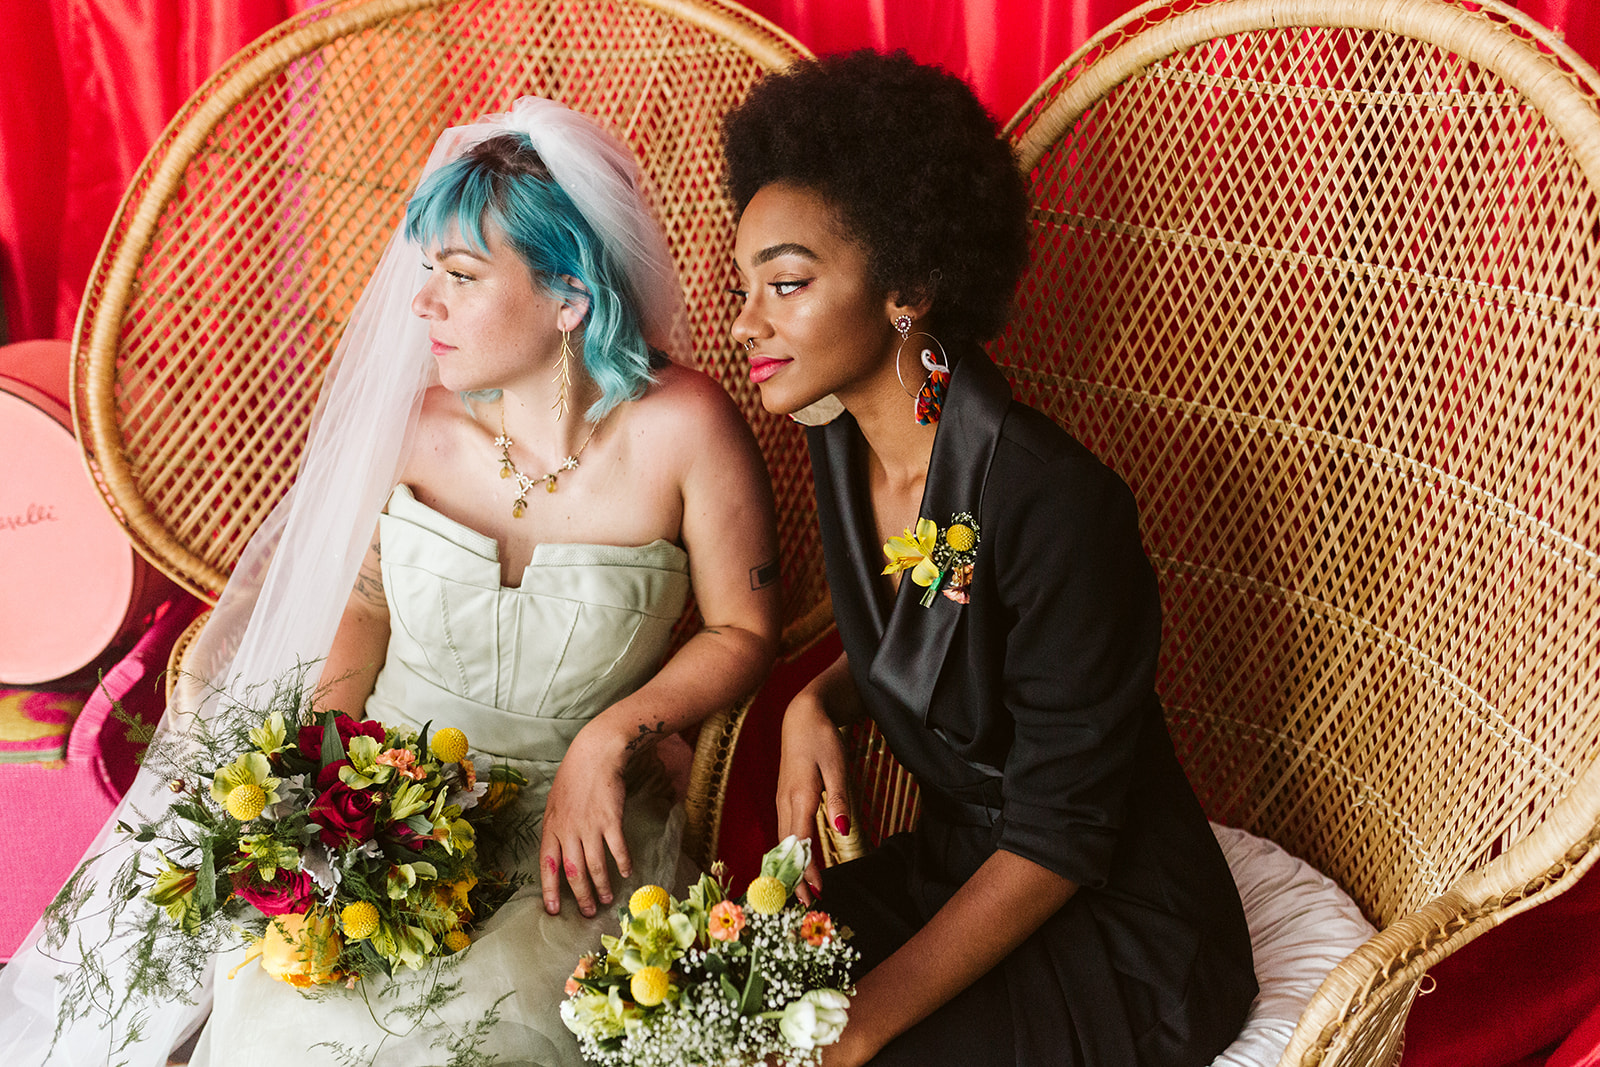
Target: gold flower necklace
[(509, 469)]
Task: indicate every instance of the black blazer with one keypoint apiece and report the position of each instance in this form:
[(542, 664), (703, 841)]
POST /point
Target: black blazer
[(1030, 719)]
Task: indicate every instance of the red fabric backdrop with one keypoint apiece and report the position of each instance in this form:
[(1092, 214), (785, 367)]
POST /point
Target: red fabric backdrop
[(88, 84)]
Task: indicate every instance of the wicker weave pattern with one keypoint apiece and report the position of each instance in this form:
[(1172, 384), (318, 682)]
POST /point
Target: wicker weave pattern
[(245, 240), (1321, 279), (1328, 298)]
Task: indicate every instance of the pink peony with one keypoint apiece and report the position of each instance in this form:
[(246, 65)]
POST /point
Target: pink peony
[(584, 969), (290, 892), (816, 928), (725, 921)]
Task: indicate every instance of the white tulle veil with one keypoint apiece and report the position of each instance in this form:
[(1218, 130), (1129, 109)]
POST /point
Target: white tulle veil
[(283, 603)]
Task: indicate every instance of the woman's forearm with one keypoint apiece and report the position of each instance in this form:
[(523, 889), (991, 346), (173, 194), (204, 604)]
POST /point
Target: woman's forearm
[(361, 644), (836, 692), (715, 669), (1000, 906), (354, 660)]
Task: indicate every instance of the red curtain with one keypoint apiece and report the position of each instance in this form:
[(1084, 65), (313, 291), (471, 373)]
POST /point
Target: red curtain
[(88, 84), (86, 87)]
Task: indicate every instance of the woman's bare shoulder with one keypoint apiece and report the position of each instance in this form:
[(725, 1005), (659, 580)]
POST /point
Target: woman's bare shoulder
[(442, 422), (684, 399)]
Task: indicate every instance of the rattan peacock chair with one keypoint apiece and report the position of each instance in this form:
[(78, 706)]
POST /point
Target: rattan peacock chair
[(248, 233), (1321, 280)]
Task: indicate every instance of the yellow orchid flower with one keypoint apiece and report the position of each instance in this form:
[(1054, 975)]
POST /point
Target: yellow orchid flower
[(914, 551)]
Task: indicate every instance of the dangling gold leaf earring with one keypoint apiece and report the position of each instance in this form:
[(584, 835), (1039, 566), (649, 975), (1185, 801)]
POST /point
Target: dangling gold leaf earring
[(563, 377)]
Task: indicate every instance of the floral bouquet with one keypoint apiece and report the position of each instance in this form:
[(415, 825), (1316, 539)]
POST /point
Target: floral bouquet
[(713, 980), (335, 849), (345, 848)]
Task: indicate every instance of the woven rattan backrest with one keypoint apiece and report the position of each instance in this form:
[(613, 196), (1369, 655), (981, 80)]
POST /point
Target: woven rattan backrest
[(1321, 280), (246, 237)]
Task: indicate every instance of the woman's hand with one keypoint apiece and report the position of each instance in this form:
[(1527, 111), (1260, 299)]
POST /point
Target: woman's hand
[(583, 819), (812, 768)]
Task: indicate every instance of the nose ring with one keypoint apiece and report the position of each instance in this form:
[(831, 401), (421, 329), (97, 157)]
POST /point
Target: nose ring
[(749, 344)]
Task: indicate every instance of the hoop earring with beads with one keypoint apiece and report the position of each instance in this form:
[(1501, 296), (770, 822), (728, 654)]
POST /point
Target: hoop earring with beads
[(929, 398)]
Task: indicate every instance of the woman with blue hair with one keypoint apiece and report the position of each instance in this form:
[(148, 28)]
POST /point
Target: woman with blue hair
[(509, 493)]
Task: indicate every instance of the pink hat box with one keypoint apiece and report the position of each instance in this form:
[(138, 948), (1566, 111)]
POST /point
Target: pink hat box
[(71, 586)]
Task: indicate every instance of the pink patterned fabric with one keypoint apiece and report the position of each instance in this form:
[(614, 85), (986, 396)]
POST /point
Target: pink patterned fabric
[(34, 724), (57, 808)]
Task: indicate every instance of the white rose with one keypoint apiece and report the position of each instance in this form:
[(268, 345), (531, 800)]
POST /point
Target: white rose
[(815, 1019)]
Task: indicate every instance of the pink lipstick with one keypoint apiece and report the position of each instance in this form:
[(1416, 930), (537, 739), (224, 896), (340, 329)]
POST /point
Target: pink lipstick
[(764, 367)]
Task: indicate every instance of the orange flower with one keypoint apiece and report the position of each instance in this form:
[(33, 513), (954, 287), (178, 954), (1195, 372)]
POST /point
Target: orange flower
[(584, 969), (403, 761), (725, 921), (816, 928)]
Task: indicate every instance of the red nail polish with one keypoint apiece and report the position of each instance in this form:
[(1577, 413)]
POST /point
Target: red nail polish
[(841, 823)]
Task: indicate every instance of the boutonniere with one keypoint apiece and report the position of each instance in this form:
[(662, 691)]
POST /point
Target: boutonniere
[(940, 560)]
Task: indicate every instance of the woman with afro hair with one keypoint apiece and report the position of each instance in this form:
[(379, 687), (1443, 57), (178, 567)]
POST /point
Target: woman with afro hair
[(1062, 899)]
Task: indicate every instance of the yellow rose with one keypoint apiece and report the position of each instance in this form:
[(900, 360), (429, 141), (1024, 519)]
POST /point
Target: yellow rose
[(302, 950)]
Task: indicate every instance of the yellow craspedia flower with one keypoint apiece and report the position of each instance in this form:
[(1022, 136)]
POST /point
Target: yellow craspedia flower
[(960, 537), (646, 897), (246, 801), (456, 940), (360, 920), (449, 745), (649, 986), (767, 895)]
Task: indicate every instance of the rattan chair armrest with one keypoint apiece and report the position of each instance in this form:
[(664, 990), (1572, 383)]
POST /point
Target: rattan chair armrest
[(180, 649), (708, 781), (1356, 1015)]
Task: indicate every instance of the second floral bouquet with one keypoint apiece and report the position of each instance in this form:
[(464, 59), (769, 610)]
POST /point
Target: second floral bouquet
[(715, 980)]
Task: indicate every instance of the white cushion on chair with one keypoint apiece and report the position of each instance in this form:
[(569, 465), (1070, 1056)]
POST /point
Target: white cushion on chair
[(1301, 926)]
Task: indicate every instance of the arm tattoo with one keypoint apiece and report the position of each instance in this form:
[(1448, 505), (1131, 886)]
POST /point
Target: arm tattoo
[(764, 575), (648, 735), (369, 582)]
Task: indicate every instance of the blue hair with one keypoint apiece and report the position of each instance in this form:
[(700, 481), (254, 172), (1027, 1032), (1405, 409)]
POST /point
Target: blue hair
[(504, 182)]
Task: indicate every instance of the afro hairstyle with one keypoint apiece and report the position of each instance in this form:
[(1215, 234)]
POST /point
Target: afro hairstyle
[(914, 167)]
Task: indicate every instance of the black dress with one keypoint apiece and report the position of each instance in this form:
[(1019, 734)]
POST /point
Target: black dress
[(1030, 720)]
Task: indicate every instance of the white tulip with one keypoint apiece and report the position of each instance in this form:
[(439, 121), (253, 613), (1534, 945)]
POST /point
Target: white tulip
[(815, 1019)]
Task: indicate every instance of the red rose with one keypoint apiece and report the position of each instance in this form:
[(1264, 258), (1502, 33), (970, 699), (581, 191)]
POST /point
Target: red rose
[(347, 816), (330, 774), (309, 739), (290, 891)]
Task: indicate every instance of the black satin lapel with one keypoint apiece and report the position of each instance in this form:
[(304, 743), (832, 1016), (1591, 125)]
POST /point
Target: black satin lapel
[(834, 471), (917, 638)]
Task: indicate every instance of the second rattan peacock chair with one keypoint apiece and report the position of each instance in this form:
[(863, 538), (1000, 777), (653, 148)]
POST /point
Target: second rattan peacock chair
[(241, 246), (1321, 280)]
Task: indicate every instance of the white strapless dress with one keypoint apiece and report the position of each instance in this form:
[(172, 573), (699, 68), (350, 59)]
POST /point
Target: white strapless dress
[(520, 670)]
